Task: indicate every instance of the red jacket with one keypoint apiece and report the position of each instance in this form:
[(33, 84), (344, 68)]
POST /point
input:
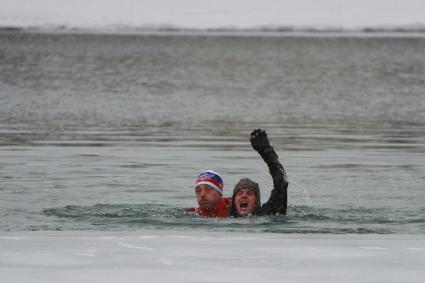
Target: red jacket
[(221, 209)]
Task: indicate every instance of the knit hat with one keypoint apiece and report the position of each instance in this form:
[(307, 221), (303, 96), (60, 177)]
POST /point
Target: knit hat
[(210, 178)]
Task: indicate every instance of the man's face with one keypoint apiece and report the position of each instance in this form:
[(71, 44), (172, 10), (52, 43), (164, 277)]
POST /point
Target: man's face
[(207, 196), (245, 201)]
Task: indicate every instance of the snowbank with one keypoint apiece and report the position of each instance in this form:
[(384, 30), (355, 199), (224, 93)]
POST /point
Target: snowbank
[(169, 256), (212, 14)]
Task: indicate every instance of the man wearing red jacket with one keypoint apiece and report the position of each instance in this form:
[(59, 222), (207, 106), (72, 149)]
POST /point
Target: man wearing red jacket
[(209, 193)]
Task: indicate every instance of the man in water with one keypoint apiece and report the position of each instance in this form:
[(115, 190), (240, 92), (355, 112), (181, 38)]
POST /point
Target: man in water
[(209, 193), (246, 194)]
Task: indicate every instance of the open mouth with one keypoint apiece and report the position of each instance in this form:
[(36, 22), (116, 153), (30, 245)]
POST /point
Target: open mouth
[(243, 204)]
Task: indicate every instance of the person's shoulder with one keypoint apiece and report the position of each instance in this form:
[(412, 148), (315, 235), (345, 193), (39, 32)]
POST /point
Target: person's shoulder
[(227, 200), (197, 211), (222, 208), (224, 202)]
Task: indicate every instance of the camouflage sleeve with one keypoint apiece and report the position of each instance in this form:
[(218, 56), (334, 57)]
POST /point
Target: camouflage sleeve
[(278, 200)]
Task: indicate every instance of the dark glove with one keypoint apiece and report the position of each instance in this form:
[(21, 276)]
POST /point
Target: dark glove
[(259, 140)]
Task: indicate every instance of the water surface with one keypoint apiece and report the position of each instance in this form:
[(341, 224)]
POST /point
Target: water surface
[(107, 132)]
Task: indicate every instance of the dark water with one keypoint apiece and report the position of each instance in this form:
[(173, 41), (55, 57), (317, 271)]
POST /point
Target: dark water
[(107, 132)]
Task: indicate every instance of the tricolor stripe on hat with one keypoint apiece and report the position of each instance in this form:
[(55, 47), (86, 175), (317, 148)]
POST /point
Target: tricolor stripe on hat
[(210, 178)]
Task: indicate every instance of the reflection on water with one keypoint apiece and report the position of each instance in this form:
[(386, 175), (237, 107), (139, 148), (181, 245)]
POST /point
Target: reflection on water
[(108, 131)]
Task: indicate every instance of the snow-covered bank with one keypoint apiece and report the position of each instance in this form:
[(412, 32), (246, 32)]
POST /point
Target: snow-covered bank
[(170, 256), (212, 14)]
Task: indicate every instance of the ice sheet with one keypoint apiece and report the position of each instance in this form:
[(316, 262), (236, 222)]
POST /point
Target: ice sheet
[(170, 256)]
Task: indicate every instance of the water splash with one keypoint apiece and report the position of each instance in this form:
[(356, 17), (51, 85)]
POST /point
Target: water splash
[(304, 191)]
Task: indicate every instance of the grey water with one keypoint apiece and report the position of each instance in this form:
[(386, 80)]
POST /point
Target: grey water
[(108, 131)]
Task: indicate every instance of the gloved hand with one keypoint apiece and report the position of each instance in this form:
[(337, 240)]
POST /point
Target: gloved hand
[(259, 140)]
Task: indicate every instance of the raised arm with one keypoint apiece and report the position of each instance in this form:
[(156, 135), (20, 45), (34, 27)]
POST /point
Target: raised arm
[(278, 200)]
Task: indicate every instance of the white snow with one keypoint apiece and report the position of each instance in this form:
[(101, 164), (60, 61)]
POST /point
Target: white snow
[(176, 256), (212, 14)]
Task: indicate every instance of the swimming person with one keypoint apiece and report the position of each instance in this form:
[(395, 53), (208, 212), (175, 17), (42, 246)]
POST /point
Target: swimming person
[(246, 194), (209, 194)]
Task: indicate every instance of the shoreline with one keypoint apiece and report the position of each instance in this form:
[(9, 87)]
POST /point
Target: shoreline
[(220, 32), (24, 234)]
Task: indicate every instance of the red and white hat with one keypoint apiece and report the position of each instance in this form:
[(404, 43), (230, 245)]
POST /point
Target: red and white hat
[(210, 178)]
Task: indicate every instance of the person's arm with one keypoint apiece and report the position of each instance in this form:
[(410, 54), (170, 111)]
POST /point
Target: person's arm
[(278, 200)]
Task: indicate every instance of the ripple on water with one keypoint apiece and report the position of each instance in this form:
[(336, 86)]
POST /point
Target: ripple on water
[(300, 219)]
